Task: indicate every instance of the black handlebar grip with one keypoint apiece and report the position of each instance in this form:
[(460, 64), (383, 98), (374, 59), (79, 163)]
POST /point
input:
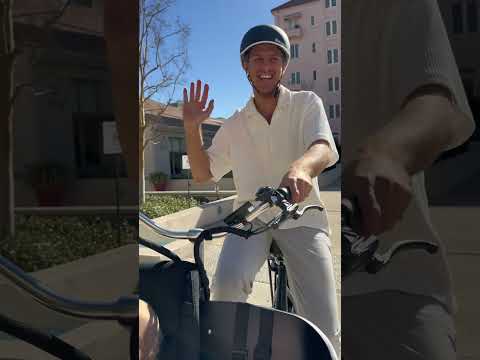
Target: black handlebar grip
[(286, 193)]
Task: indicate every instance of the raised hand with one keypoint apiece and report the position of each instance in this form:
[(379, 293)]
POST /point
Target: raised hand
[(194, 111)]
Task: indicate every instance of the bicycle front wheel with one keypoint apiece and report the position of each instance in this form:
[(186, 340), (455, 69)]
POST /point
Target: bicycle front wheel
[(290, 302)]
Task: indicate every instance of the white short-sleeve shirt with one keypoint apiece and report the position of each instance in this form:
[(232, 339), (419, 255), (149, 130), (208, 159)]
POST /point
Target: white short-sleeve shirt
[(259, 153)]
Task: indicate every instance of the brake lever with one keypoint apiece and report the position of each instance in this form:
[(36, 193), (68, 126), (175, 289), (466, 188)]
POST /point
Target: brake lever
[(299, 213), (378, 261)]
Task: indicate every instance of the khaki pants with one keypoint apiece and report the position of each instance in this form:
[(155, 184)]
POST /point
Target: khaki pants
[(309, 266), (394, 325)]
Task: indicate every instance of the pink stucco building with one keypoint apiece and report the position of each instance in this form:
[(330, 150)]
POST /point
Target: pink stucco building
[(313, 27)]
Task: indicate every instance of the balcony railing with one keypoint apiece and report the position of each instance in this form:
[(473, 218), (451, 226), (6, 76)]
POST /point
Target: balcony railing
[(295, 32), (303, 85), (294, 86)]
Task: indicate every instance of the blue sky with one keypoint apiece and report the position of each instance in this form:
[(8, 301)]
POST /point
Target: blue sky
[(217, 27)]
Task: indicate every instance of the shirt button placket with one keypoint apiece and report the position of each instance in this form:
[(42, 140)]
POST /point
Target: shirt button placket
[(273, 158)]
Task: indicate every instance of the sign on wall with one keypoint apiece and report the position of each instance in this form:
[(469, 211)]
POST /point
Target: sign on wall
[(185, 162)]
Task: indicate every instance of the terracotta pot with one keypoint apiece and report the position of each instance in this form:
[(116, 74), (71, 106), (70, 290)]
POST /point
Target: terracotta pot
[(50, 195), (160, 186)]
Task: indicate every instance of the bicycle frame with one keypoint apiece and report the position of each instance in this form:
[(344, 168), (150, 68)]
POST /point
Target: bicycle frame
[(279, 290), (280, 293)]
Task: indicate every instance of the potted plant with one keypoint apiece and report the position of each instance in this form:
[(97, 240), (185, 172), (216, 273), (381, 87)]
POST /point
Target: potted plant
[(158, 180), (49, 182)]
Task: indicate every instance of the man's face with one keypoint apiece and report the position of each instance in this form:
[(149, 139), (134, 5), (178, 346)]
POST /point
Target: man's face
[(265, 66)]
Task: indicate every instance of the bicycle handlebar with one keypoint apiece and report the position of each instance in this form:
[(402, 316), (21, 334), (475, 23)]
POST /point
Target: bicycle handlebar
[(125, 309), (174, 234), (266, 198)]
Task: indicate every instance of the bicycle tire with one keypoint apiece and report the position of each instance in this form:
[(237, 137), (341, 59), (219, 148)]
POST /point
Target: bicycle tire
[(290, 302), (281, 289)]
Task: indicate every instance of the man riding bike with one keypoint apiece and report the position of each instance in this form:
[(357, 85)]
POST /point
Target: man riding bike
[(280, 138)]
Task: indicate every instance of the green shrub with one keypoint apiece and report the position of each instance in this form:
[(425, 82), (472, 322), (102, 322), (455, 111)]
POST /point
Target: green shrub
[(45, 241), (156, 206)]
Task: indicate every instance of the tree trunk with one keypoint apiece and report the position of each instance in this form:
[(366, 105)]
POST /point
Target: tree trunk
[(6, 120), (121, 33), (141, 152)]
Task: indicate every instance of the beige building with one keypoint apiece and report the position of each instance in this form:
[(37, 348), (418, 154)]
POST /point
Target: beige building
[(313, 27), (166, 148), (59, 116)]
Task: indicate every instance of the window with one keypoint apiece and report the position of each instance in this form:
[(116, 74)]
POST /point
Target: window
[(312, 20), (457, 18), (85, 96), (337, 111), (314, 48), (472, 16), (294, 51), (331, 27), (295, 78), (291, 23), (334, 84), (90, 161), (331, 111), (332, 56), (314, 75), (288, 23), (330, 3), (176, 148)]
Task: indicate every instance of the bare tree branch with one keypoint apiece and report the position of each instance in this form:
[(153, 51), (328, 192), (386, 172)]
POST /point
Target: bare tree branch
[(164, 64), (161, 65)]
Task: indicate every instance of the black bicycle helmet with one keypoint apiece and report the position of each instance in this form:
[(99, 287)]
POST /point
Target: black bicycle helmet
[(265, 34)]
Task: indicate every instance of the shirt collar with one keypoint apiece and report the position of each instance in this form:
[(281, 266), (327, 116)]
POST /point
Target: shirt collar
[(282, 103)]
